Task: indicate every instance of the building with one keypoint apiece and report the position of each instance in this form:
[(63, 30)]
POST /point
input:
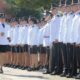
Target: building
[(3, 6)]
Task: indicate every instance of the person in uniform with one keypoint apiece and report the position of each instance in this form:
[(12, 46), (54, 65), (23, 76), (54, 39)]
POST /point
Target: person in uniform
[(67, 48), (9, 39), (46, 44), (41, 48), (74, 41), (46, 41), (3, 42), (32, 42), (24, 42), (62, 32), (72, 62), (6, 24), (13, 35), (21, 43), (54, 40)]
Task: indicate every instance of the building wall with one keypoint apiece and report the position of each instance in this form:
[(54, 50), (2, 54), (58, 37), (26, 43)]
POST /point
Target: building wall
[(3, 5)]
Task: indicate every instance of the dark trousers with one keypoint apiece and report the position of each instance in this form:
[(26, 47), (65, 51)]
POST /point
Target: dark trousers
[(69, 58), (64, 54), (48, 57), (56, 58), (74, 63), (78, 56), (69, 49)]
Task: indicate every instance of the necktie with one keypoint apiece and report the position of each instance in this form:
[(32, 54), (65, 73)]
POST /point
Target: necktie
[(3, 25)]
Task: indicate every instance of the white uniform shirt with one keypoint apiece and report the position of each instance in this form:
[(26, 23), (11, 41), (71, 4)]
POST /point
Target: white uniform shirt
[(14, 35), (69, 27), (29, 35), (54, 28), (21, 35), (46, 35), (75, 25), (62, 31), (78, 39), (32, 35), (7, 31), (40, 36), (25, 36), (3, 39)]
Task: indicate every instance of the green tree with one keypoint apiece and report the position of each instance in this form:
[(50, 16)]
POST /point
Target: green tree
[(29, 6)]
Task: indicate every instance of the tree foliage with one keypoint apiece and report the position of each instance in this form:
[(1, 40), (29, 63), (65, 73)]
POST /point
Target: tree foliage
[(29, 6)]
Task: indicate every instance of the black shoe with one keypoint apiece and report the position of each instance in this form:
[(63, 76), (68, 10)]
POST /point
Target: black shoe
[(54, 73), (5, 65), (46, 72), (63, 75), (23, 68), (26, 67), (9, 65), (69, 75), (14, 66), (78, 76), (1, 71), (29, 69), (19, 67)]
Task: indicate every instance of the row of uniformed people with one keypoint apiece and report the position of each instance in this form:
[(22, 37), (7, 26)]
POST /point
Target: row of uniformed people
[(59, 38), (64, 40), (25, 41), (20, 38), (24, 38)]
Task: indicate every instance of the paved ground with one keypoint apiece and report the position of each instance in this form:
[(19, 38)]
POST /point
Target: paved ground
[(17, 74)]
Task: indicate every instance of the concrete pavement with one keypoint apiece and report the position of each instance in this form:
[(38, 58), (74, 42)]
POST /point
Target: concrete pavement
[(17, 74)]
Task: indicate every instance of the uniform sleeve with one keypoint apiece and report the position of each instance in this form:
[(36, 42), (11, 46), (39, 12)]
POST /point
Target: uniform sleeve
[(8, 32)]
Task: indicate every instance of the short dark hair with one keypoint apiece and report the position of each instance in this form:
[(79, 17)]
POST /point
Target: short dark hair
[(34, 20), (2, 15)]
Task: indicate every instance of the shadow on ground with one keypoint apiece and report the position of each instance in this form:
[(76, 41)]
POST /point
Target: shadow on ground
[(27, 76)]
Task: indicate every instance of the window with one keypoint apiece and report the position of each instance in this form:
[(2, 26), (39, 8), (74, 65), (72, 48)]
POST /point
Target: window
[(55, 3), (78, 1), (75, 1), (68, 2), (62, 1)]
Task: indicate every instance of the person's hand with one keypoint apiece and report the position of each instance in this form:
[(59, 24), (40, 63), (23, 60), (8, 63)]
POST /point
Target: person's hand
[(56, 41), (2, 34)]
